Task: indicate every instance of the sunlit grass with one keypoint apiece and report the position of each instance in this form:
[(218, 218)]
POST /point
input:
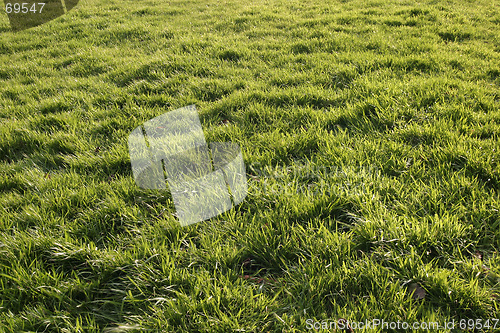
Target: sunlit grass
[(370, 134)]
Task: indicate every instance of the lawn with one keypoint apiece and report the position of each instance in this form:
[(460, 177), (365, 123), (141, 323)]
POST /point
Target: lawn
[(370, 134)]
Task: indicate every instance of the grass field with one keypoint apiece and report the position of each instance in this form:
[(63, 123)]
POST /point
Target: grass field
[(370, 132)]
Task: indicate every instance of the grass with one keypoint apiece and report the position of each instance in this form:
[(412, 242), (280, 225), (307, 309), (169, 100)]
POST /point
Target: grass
[(370, 134)]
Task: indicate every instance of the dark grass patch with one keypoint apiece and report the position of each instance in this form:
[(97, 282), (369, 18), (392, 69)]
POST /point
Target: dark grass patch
[(156, 70), (454, 36), (11, 183), (300, 48), (49, 124), (230, 55), (394, 23), (20, 144), (54, 105), (493, 74), (124, 35), (212, 90)]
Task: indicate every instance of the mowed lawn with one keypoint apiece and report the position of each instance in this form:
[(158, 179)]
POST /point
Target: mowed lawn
[(370, 134)]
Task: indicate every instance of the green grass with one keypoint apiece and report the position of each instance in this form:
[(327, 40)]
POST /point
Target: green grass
[(370, 132)]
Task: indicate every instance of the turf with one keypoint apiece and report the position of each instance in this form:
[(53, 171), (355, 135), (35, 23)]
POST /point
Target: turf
[(370, 134)]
